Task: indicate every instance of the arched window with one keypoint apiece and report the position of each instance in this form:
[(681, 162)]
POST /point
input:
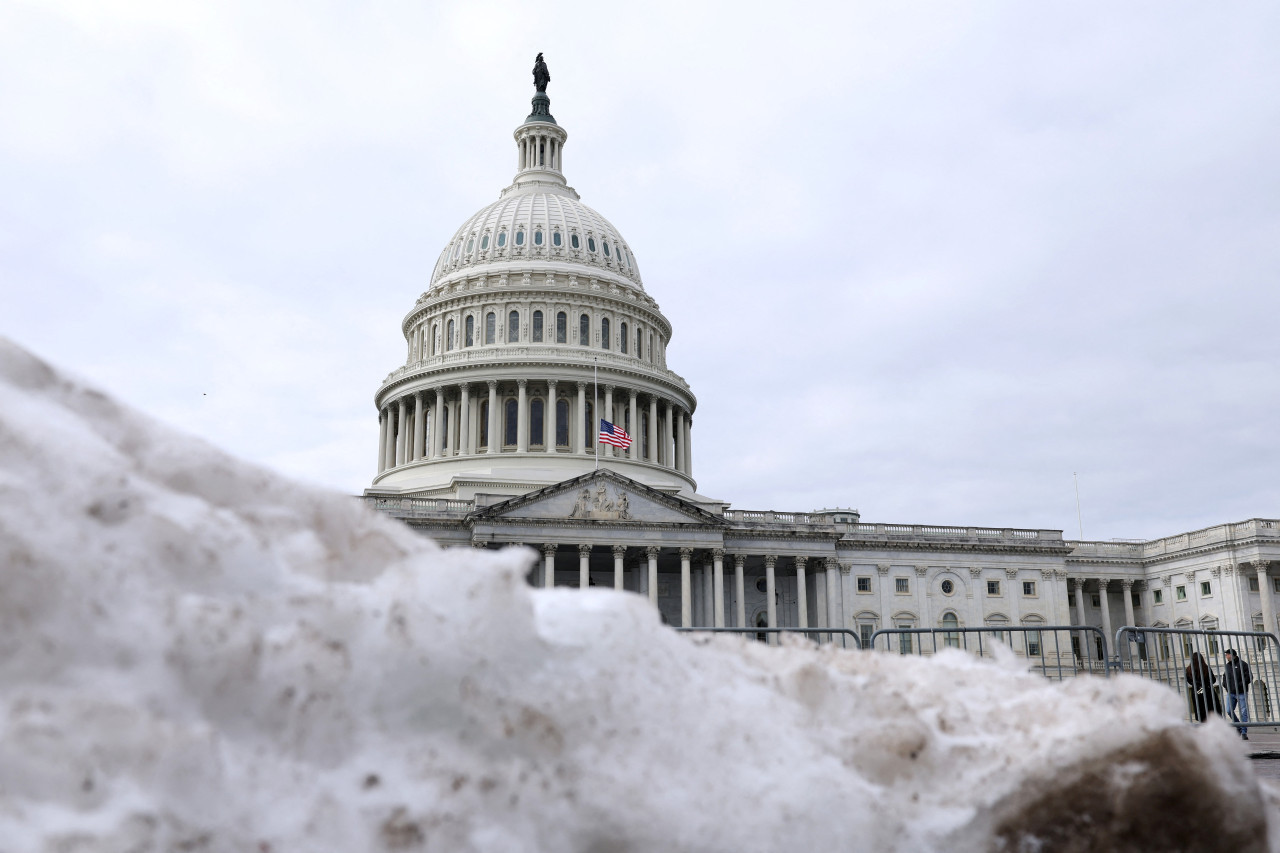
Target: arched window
[(435, 334), (471, 330), (562, 423), (584, 331), (513, 327), (951, 639), (562, 328), (502, 239), (484, 423), (537, 327), (490, 327), (588, 425), (998, 623), (537, 435), (484, 242), (448, 340), (573, 241), (520, 237), (651, 346), (639, 344), (537, 237), (622, 338), (512, 425), (604, 333), (555, 238)]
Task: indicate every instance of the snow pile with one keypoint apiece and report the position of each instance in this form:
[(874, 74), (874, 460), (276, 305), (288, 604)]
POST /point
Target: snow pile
[(198, 655)]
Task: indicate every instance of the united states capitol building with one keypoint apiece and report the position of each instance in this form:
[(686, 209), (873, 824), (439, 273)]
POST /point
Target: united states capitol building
[(537, 325)]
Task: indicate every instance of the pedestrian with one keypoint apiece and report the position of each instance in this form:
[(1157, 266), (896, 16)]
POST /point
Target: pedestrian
[(1203, 687), (1237, 678)]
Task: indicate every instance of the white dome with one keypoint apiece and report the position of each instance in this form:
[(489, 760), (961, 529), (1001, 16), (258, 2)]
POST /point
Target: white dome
[(529, 214)]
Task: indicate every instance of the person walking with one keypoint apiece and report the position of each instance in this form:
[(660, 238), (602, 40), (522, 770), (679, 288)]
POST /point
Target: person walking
[(1236, 678), (1203, 687)]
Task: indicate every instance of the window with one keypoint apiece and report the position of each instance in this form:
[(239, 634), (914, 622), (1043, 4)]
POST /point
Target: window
[(1206, 588), (651, 346), (1032, 638), (622, 338), (864, 584), (639, 341), (604, 333), (537, 435), (1180, 593), (448, 341), (457, 249), (605, 243), (555, 238), (435, 333), (513, 327), (1275, 584), (562, 327), (484, 242), (537, 237), (948, 587), (1253, 584), (470, 244), (591, 244), (512, 425), (537, 327), (587, 425), (1029, 588), (644, 435), (1136, 599), (562, 423), (865, 630), (484, 423), (471, 331), (490, 327), (1157, 596), (520, 237), (951, 639), (502, 239), (573, 241), (444, 428), (1096, 601), (902, 586), (993, 587), (584, 331), (905, 644)]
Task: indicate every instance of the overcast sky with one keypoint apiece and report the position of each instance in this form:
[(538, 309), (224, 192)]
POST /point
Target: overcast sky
[(922, 259)]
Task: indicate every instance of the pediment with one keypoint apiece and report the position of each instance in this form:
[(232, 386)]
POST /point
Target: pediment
[(601, 496)]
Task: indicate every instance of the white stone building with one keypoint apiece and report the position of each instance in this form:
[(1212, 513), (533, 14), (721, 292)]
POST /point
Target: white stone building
[(537, 324)]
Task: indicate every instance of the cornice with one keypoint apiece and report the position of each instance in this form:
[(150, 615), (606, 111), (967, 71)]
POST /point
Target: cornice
[(966, 547)]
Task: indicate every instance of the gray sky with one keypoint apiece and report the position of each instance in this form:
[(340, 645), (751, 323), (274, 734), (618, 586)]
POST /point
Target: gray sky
[(923, 259)]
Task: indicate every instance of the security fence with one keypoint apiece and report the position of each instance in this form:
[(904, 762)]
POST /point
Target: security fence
[(840, 636), (1195, 663), (1054, 651)]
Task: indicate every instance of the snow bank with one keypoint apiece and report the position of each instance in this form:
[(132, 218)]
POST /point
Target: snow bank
[(198, 655)]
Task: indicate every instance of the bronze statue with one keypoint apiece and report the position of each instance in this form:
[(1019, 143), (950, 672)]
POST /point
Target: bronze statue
[(541, 76)]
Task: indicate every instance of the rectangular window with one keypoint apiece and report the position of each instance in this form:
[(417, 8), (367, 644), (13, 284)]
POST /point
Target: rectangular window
[(1033, 644), (1206, 588), (864, 584), (902, 586), (1136, 599), (1275, 584), (1096, 600), (1157, 596), (993, 587), (537, 327), (1181, 593), (864, 634), (1029, 588), (905, 645), (562, 328), (1253, 584)]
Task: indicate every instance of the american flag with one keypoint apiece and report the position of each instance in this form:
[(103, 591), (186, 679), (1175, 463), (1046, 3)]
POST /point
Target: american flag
[(615, 435)]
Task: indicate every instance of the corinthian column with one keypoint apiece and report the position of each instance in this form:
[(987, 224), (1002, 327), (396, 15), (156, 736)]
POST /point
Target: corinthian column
[(466, 441), (580, 421), (522, 416), (717, 585), (548, 565), (739, 589), (419, 426), (382, 442), (437, 426), (633, 452), (652, 553), (619, 555), (1264, 587), (495, 443), (1103, 600), (584, 566), (1078, 586), (653, 428), (771, 599), (688, 444), (668, 438), (686, 590), (802, 592), (549, 417), (401, 434)]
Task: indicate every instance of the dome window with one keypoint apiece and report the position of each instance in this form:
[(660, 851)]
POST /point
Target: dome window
[(606, 248), (502, 239), (470, 245), (584, 334), (537, 238), (591, 244), (490, 327), (562, 328), (604, 333), (456, 251), (484, 242), (513, 327), (573, 241), (520, 238), (470, 338), (622, 338), (537, 327), (555, 238)]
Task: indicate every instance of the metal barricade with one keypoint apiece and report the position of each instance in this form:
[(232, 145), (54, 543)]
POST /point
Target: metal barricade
[(1166, 655), (1048, 649), (841, 636)]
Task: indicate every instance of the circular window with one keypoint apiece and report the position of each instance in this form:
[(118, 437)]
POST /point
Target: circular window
[(484, 242), (537, 238), (573, 240), (502, 239), (519, 238), (555, 239), (591, 244), (948, 587), (762, 585)]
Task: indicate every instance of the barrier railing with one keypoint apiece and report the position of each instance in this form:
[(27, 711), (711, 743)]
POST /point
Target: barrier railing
[(1048, 649), (1167, 655), (843, 636)]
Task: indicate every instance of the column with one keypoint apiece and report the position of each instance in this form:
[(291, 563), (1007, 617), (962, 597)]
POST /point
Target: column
[(686, 608), (653, 429), (717, 587), (739, 588), (382, 441), (1264, 587), (771, 599), (633, 452), (834, 619), (437, 426), (419, 427), (652, 553), (1127, 586), (549, 417), (522, 417), (548, 565), (802, 592), (454, 428), (708, 592), (1085, 654), (1106, 610), (668, 437), (688, 444), (466, 442), (495, 443), (580, 420), (699, 596), (608, 449), (402, 437), (619, 554), (584, 566)]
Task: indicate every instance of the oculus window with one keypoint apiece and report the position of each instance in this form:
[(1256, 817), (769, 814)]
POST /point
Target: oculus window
[(948, 587)]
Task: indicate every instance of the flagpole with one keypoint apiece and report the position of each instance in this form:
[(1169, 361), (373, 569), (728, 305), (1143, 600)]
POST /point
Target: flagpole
[(595, 406)]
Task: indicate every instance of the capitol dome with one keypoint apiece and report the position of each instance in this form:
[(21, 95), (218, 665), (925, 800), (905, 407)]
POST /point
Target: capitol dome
[(535, 328)]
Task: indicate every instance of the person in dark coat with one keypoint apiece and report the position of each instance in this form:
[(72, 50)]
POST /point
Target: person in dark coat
[(1203, 687), (1236, 678)]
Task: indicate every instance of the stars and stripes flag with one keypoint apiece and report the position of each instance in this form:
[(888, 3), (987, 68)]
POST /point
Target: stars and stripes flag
[(615, 435)]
